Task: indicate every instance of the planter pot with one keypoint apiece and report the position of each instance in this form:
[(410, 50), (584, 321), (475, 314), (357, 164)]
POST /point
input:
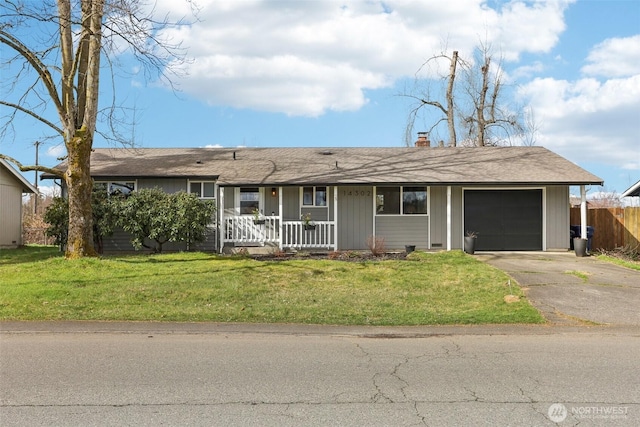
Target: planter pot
[(409, 248), (580, 246), (470, 245), (259, 221), (309, 227)]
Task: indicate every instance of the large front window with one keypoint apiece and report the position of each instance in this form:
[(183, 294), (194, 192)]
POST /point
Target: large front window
[(401, 201)]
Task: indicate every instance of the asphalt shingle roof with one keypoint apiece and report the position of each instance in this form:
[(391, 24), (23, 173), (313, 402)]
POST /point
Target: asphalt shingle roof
[(343, 166)]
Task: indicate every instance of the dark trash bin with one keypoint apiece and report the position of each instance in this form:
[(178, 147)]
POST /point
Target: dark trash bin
[(574, 231)]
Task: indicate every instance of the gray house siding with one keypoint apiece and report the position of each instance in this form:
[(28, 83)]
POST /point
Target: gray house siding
[(290, 203), (399, 231), (557, 217), (457, 232), (168, 185), (438, 217), (355, 216)]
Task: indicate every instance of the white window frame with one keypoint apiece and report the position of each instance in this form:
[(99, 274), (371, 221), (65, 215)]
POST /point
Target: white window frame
[(401, 201), (313, 205), (237, 200), (202, 183)]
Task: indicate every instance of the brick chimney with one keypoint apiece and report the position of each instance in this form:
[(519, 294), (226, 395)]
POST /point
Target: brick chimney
[(423, 140)]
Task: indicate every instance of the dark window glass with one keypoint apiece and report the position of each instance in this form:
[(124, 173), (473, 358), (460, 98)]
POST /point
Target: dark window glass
[(307, 196), (321, 196), (414, 200), (388, 201)]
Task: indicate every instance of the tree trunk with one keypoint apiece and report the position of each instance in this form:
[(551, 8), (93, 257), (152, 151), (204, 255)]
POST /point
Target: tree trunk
[(79, 185), (450, 106)]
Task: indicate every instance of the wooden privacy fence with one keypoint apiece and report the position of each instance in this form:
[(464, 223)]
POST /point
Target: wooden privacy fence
[(613, 227)]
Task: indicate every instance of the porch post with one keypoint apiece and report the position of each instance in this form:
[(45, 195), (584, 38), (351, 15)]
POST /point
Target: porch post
[(448, 217), (280, 225), (335, 218), (221, 225), (583, 212)]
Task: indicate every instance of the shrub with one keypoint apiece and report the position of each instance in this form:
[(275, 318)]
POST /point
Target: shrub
[(376, 245)]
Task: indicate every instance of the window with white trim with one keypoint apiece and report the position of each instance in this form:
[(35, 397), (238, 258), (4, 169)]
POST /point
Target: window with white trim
[(249, 200), (401, 201), (203, 189), (314, 196), (116, 187)]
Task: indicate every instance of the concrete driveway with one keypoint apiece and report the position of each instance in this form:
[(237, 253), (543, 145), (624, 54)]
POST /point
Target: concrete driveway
[(572, 290)]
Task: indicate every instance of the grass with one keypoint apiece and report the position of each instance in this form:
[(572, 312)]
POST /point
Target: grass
[(635, 265), (37, 283), (579, 274)]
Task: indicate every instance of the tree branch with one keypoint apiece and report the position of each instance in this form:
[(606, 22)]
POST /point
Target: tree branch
[(29, 168), (34, 115)]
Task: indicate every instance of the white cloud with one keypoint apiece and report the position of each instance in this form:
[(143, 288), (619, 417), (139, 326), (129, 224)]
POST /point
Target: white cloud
[(308, 57), (589, 121), (615, 57), (56, 151)]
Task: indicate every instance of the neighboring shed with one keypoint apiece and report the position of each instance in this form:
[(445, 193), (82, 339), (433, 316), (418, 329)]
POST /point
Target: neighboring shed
[(12, 187)]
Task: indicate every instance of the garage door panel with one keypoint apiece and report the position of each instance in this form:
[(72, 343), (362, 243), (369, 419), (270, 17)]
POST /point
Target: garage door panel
[(505, 219)]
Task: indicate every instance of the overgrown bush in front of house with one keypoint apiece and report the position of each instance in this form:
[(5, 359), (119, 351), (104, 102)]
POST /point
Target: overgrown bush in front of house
[(159, 217)]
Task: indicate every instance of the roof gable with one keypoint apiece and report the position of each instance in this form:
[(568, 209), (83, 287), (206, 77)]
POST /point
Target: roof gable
[(27, 187)]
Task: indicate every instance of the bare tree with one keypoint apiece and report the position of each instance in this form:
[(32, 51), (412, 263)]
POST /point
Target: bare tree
[(487, 118), (426, 100), (475, 104), (58, 48)]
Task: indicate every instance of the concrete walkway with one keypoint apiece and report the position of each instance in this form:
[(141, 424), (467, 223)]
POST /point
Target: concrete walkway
[(573, 290)]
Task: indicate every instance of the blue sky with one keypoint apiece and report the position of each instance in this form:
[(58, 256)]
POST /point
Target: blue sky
[(331, 73)]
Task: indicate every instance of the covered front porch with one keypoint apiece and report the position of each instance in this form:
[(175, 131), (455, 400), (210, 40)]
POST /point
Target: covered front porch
[(268, 216)]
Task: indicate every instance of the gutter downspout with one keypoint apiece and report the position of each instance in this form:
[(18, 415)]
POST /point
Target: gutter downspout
[(583, 212)]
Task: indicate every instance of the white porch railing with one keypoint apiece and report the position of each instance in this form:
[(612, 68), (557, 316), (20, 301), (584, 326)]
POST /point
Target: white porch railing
[(243, 230), (296, 235)]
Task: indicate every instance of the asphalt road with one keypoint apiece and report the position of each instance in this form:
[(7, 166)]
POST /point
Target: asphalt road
[(79, 374)]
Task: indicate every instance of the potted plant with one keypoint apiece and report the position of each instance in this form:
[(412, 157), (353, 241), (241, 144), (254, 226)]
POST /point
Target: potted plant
[(470, 242), (256, 217), (307, 222)]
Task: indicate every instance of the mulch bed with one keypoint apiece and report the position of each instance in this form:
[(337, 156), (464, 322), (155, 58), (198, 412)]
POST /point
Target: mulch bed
[(349, 256)]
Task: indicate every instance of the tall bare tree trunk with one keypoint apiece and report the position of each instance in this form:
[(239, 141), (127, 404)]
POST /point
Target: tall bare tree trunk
[(450, 108), (482, 122)]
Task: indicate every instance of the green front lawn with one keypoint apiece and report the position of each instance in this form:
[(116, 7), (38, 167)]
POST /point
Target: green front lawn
[(37, 283)]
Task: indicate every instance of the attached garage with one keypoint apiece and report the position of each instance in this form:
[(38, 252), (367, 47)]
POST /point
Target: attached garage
[(505, 220)]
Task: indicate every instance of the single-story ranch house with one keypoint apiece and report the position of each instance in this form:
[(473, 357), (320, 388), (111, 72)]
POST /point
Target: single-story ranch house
[(12, 186), (515, 198)]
